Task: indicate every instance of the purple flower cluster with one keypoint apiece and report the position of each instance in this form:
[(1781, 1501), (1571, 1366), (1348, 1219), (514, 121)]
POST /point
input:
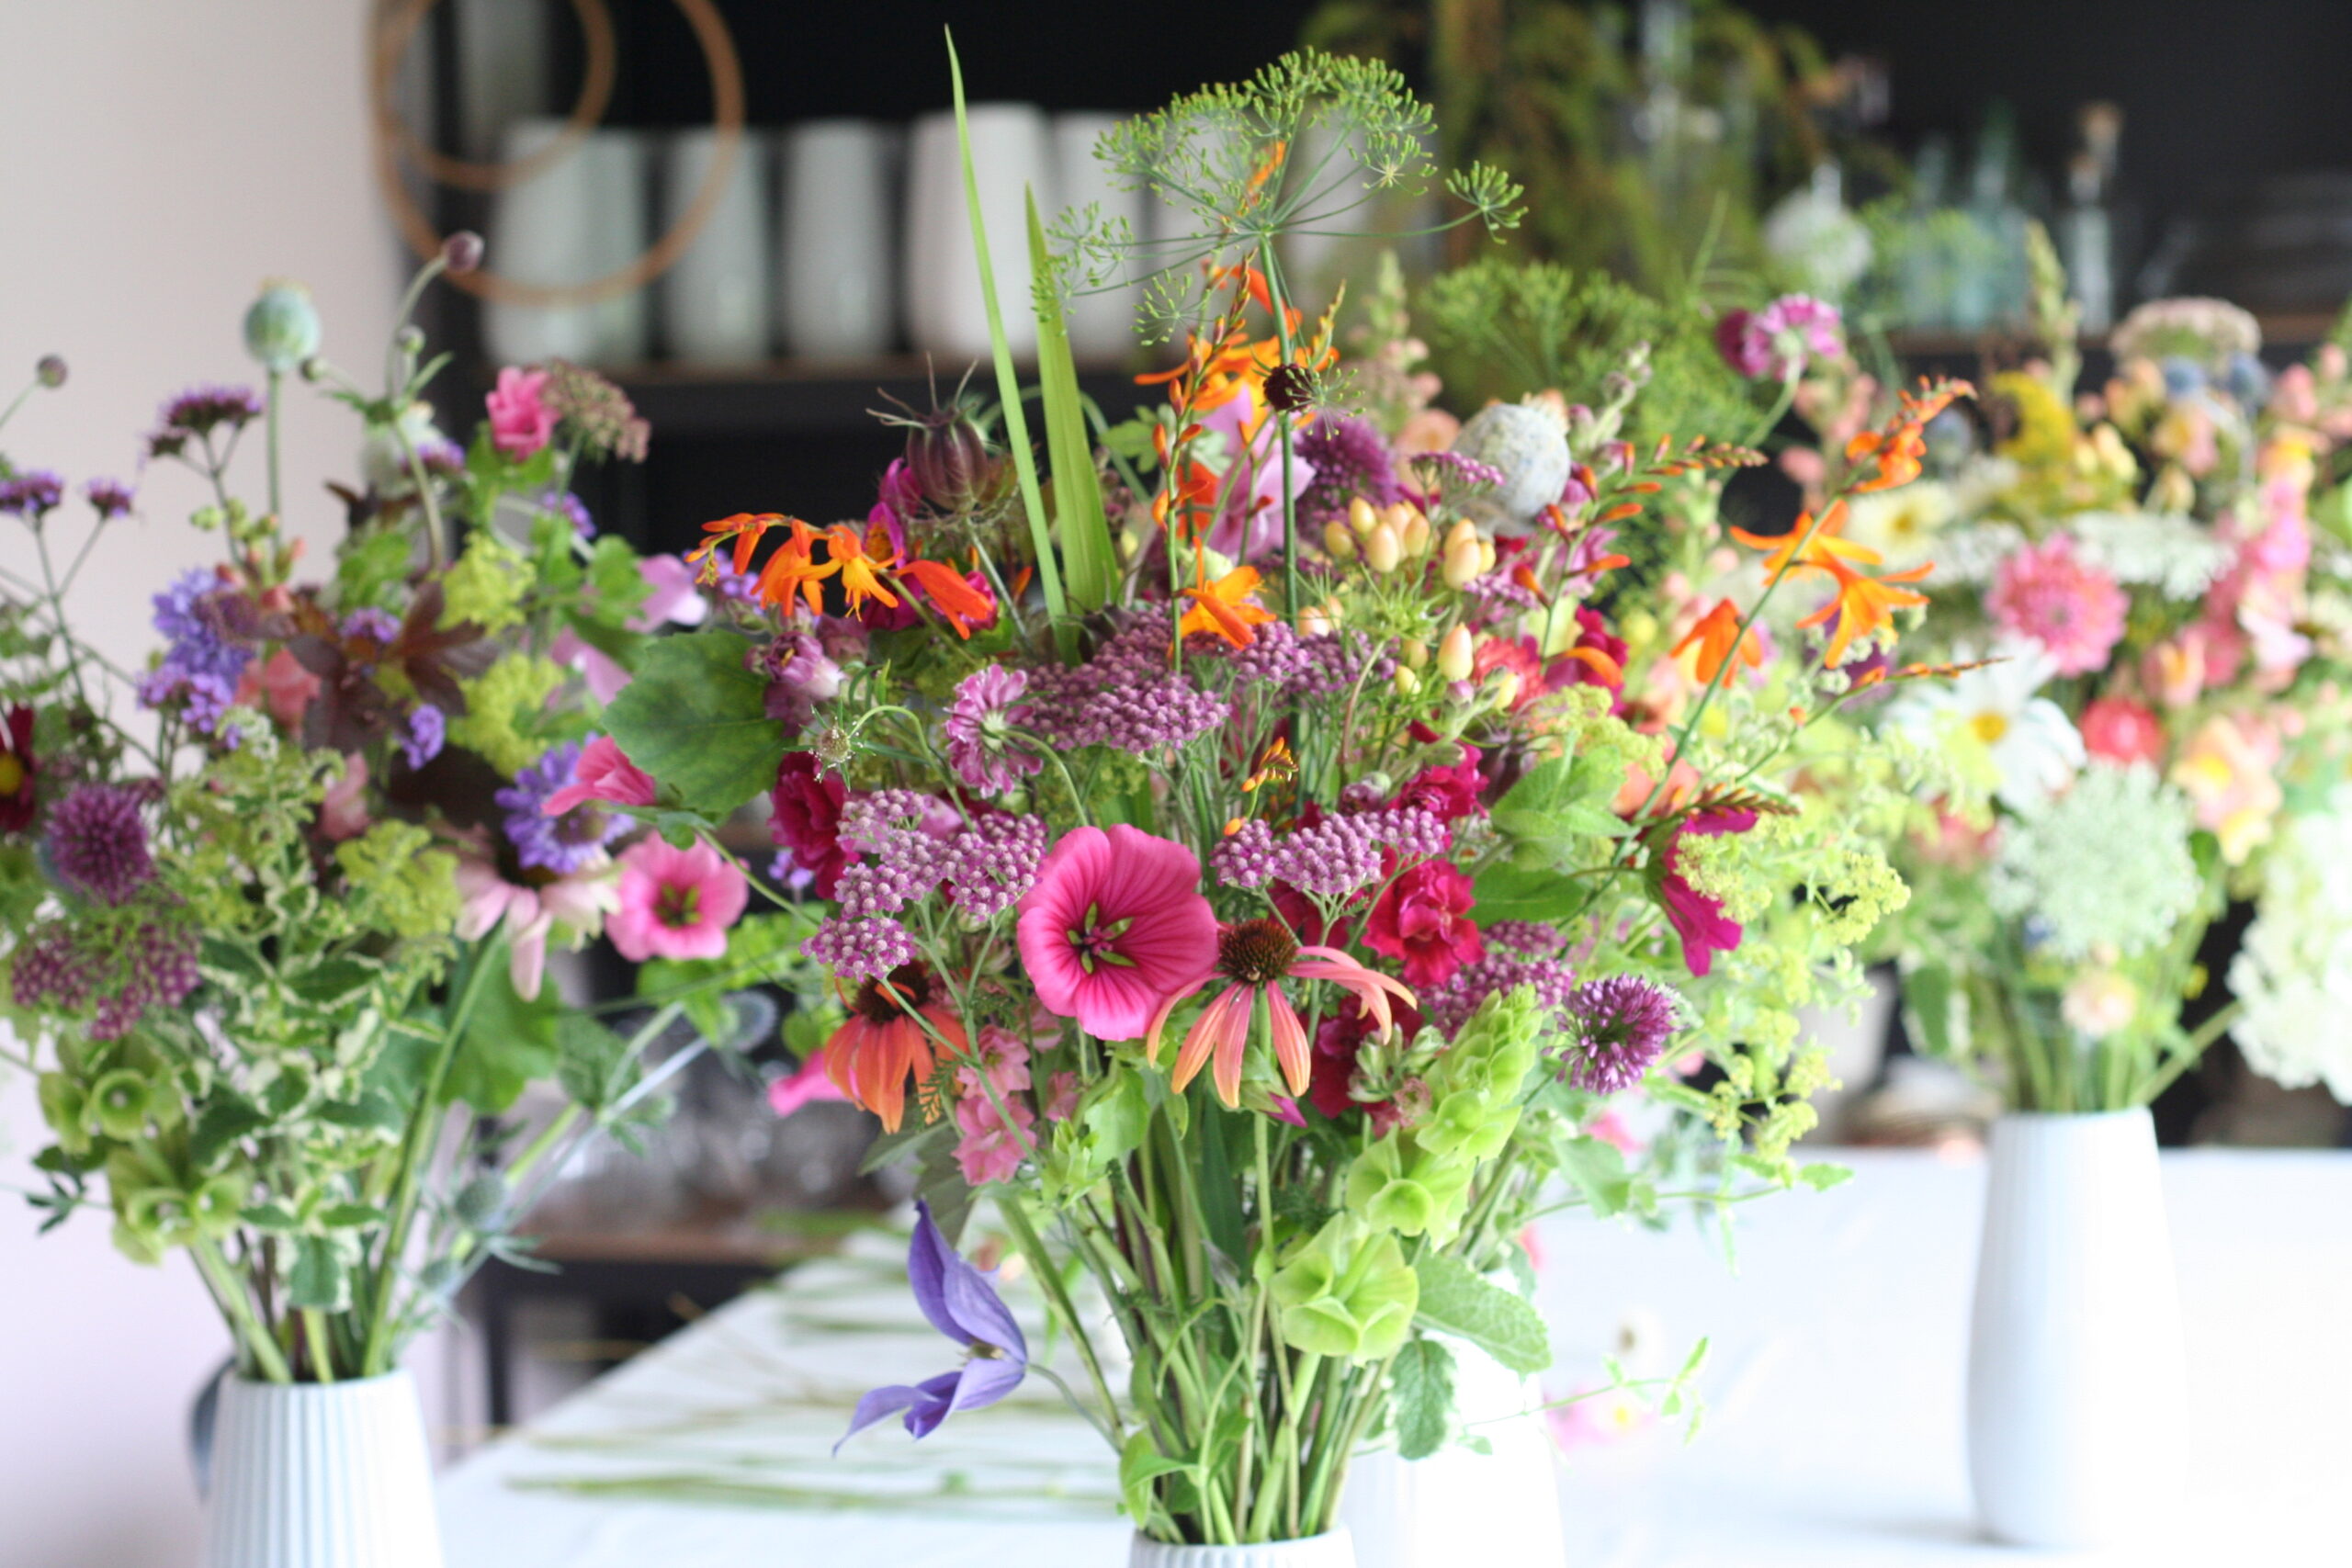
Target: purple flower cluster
[(563, 843), (370, 624), (32, 495), (1125, 697), (198, 411), (98, 843), (1450, 1005), (109, 497), (1298, 667), (149, 962), (1441, 468), (1777, 341), (1334, 857), (980, 745), (800, 673), (990, 863), (910, 843), (1351, 459), (201, 663), (1526, 936), (903, 835), (860, 949), (571, 508), (1623, 1023), (427, 730)]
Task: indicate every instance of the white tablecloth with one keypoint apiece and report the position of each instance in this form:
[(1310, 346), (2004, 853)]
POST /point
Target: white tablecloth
[(1832, 1435)]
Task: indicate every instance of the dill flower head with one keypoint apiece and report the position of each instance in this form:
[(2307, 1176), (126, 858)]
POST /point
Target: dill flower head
[(2106, 865)]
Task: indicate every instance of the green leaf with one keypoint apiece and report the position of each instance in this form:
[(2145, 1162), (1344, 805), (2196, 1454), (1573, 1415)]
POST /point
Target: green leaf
[(1598, 1168), (318, 1280), (225, 1120), (696, 719), (1141, 1464), (591, 1062), (1421, 1394), (1822, 1177), (763, 948), (1563, 800), (910, 1141), (1008, 386), (332, 982), (1119, 1117), (1507, 891), (508, 1042), (1079, 523), (1456, 1301), (941, 1184)]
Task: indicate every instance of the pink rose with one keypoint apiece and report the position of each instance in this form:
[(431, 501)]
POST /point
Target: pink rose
[(520, 420)]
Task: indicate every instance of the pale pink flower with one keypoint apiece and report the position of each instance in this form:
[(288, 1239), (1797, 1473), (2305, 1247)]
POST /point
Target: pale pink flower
[(1115, 926), (1257, 956), (2074, 611), (343, 809), (807, 1085), (675, 903), (520, 420), (2229, 770), (991, 1149), (1061, 1096), (571, 907), (606, 774), (283, 687), (676, 599)]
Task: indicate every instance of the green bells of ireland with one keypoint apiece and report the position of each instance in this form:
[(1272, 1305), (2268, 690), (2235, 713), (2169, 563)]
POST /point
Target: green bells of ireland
[(1347, 1292)]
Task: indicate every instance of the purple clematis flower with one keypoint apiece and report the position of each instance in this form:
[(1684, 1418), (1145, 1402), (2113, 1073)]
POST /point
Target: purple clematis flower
[(962, 1304)]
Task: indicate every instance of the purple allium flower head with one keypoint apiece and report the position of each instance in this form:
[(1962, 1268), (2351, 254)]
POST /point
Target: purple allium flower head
[(562, 843), (860, 948), (371, 625), (960, 1303), (1351, 459), (109, 497), (980, 744), (426, 731), (1450, 1004), (1335, 857), (151, 965), (1623, 1023), (799, 674), (1125, 697), (32, 495), (98, 844)]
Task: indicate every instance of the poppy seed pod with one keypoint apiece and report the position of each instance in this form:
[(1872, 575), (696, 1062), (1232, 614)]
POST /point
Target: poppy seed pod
[(49, 370), (950, 461), (1453, 660), (282, 327), (1382, 550)]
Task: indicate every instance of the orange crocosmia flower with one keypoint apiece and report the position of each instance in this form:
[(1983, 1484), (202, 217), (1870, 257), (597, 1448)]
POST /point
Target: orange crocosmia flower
[(1895, 454), (744, 528), (1863, 607), (1608, 669), (1807, 545), (861, 578), (1225, 608), (1719, 639), (792, 570), (961, 604)]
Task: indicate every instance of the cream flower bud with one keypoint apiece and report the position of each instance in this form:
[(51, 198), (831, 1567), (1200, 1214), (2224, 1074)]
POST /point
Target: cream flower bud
[(1462, 562), (1414, 652), (1361, 516), (1407, 682), (1505, 686), (1337, 543), (1380, 549), (1415, 533), (1454, 655)]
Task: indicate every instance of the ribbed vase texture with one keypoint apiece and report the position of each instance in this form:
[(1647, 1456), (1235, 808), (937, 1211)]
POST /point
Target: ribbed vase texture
[(2077, 1414), (322, 1475), (1331, 1550)]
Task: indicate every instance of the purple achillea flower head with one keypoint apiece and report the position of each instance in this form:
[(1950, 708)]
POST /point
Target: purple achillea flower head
[(1624, 1022), (605, 420), (992, 863), (1335, 857), (903, 835), (1531, 937), (110, 499), (422, 739), (1439, 469), (962, 1304), (1297, 666), (1351, 459), (32, 495), (149, 962), (1125, 697), (860, 948), (98, 844), (980, 744), (1450, 1004), (563, 843)]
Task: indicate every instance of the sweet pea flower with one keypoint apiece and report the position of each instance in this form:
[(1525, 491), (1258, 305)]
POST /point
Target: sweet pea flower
[(604, 774), (960, 1303), (1115, 926), (675, 903), (521, 422)]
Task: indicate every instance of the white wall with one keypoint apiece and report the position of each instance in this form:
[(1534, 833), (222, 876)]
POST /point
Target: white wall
[(158, 159)]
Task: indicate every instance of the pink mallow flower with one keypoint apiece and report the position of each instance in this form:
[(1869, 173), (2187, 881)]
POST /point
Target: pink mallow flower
[(604, 774), (573, 906), (1115, 925), (2074, 610), (675, 903), (520, 420)]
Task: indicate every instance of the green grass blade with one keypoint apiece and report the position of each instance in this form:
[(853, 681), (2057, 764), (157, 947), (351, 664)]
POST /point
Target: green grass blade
[(1008, 383), (1078, 522)]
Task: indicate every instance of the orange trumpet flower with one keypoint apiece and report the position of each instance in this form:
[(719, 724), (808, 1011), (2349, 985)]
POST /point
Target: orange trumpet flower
[(1720, 639), (1863, 607), (1225, 608)]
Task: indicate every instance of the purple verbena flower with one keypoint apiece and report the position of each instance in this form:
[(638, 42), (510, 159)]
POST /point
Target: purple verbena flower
[(98, 844), (1622, 1024), (32, 495), (963, 1305), (422, 738), (980, 724), (565, 843), (198, 411), (1350, 460), (201, 664), (571, 508), (110, 499)]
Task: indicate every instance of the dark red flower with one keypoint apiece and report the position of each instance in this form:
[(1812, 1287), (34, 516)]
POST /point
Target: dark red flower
[(807, 819), (18, 799), (1424, 920), (1697, 918), (1338, 1041)]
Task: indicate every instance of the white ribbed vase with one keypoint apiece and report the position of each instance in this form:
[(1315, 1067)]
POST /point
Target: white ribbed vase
[(1330, 1549), (322, 1475), (1460, 1505), (2077, 1375)]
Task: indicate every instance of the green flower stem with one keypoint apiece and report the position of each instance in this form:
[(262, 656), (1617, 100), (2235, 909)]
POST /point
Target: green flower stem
[(1041, 1263), (275, 384), (250, 1332), (314, 1340)]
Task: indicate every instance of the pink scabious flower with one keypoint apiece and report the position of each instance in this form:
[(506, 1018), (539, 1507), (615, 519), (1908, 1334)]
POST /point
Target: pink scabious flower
[(1257, 956), (2074, 611), (980, 744), (520, 420), (675, 903), (1697, 918), (1423, 919), (573, 906), (604, 774), (1777, 341), (2122, 731), (1113, 927)]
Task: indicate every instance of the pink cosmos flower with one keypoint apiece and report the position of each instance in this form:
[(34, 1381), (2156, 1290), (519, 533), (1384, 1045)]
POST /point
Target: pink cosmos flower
[(343, 809), (676, 903), (2122, 731), (1257, 956), (1697, 918), (2075, 611), (1424, 920), (606, 774), (520, 420), (573, 906), (1115, 926)]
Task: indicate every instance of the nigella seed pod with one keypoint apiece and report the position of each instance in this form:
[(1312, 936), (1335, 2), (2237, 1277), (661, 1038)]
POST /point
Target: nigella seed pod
[(461, 252), (950, 460), (1290, 388), (50, 370), (282, 326)]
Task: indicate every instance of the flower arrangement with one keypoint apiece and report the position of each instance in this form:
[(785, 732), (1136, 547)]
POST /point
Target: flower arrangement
[(276, 905), (1256, 871), (2146, 582)]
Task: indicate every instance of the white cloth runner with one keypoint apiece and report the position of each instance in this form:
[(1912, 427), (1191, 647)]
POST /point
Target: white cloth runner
[(1832, 1435)]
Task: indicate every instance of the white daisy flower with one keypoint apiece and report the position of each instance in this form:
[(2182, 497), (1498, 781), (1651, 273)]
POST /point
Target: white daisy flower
[(2026, 742)]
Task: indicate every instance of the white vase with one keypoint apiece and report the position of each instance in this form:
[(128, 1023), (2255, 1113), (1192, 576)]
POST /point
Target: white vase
[(1459, 1506), (1331, 1549), (836, 287), (1101, 325), (577, 220), (2077, 1375), (714, 299), (946, 312), (321, 1475)]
